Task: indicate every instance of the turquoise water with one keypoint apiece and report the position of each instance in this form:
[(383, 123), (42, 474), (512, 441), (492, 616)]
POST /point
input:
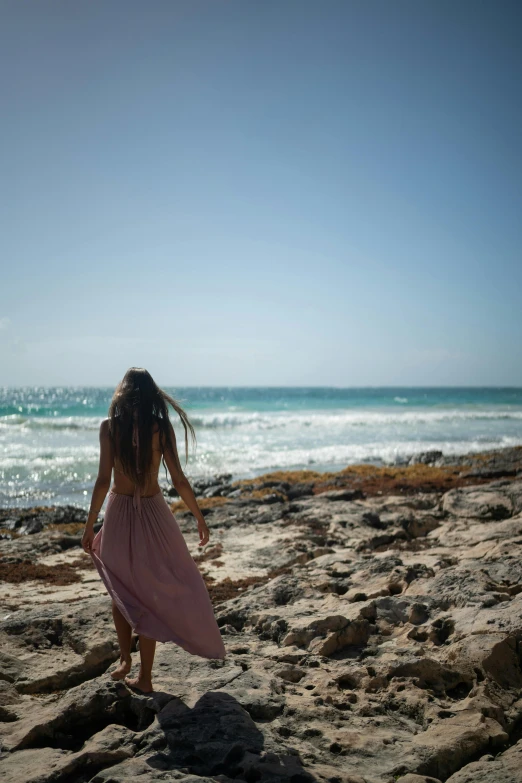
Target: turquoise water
[(49, 435)]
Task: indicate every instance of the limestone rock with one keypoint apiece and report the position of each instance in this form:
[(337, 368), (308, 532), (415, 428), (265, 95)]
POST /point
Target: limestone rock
[(369, 639), (411, 777), (505, 767)]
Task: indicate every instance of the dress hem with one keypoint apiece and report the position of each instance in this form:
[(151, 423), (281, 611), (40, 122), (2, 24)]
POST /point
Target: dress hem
[(135, 625)]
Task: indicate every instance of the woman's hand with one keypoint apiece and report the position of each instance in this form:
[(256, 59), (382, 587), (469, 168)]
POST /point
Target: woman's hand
[(88, 537), (203, 532)]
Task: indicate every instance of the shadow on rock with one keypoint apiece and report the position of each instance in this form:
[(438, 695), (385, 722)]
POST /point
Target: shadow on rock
[(215, 737)]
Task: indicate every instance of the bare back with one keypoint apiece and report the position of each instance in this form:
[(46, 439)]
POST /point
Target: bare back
[(124, 485)]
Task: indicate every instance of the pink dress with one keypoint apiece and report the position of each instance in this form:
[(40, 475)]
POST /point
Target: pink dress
[(145, 564)]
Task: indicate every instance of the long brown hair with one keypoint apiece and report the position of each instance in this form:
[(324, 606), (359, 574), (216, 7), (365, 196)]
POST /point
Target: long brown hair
[(139, 400)]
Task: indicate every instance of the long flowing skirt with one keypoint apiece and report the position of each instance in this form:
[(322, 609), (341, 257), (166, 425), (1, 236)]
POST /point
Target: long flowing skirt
[(145, 564)]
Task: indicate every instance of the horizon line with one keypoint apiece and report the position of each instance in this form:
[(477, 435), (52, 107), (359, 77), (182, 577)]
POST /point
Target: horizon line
[(269, 386)]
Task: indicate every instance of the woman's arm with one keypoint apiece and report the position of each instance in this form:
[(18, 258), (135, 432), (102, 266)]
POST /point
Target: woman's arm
[(181, 482), (103, 480)]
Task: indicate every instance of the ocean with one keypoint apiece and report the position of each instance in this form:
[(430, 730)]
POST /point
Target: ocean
[(49, 435)]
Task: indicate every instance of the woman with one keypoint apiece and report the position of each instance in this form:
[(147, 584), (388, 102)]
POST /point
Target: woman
[(140, 553)]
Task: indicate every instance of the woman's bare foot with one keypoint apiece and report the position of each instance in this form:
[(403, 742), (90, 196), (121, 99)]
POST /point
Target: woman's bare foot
[(122, 669), (140, 683)]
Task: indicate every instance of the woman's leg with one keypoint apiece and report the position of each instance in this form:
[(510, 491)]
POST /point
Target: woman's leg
[(124, 632), (147, 650)]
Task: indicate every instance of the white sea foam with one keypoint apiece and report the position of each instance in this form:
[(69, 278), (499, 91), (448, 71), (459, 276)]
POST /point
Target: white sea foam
[(57, 456), (278, 419), (348, 418), (50, 423)]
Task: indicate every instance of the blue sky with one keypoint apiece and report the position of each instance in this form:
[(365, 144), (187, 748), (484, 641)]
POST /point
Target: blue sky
[(268, 192)]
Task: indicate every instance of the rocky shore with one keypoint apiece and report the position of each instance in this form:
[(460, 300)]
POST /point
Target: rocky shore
[(372, 619)]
